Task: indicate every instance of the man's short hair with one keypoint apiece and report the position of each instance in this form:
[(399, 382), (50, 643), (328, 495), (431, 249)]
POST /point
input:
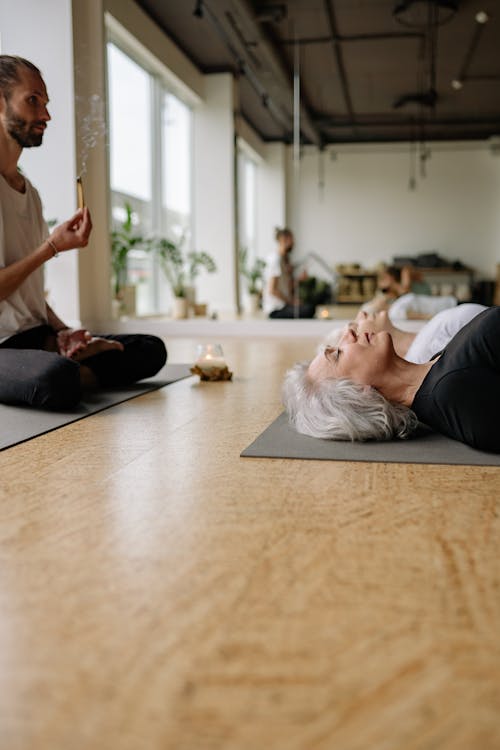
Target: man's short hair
[(10, 66)]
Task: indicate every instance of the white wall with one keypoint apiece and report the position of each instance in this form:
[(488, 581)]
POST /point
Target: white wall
[(42, 32), (367, 214)]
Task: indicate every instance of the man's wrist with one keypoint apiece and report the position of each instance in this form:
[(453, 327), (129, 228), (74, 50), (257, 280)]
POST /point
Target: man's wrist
[(53, 247)]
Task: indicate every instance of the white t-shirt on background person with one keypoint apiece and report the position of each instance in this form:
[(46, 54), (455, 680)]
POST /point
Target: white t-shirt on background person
[(272, 270), (439, 331), (421, 304)]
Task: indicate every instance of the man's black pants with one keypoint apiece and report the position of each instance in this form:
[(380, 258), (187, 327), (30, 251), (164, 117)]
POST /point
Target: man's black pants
[(33, 376)]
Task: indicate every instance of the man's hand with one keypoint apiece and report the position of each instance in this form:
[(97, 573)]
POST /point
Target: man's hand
[(79, 344), (73, 233), (71, 340), (96, 345)]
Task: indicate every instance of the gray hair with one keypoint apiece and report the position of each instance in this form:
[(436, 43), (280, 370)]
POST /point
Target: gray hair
[(339, 409)]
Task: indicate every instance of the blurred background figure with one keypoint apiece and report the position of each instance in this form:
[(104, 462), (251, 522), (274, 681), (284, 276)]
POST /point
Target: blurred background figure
[(280, 299)]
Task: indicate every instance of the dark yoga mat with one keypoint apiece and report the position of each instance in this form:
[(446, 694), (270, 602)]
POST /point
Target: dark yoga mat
[(279, 440), (20, 423)]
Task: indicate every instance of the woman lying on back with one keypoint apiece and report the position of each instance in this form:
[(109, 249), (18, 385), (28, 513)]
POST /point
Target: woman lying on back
[(362, 389)]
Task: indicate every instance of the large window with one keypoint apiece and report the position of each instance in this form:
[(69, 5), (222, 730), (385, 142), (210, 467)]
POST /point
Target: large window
[(150, 167), (247, 211)]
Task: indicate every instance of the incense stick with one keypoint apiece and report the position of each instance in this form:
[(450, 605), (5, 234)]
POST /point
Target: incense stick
[(79, 192)]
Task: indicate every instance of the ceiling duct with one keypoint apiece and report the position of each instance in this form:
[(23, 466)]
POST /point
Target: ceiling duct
[(425, 15), (236, 21)]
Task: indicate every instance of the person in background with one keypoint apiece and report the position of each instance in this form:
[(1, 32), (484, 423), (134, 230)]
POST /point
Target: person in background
[(405, 293), (394, 282), (43, 362), (280, 287)]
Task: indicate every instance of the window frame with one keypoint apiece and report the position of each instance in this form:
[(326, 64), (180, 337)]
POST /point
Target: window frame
[(160, 86)]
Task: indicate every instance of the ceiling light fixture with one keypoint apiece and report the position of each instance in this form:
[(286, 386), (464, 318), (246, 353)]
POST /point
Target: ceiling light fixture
[(273, 13), (415, 13), (482, 17)]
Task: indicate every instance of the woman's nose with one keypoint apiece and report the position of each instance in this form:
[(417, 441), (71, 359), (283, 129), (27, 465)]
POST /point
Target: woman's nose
[(350, 336)]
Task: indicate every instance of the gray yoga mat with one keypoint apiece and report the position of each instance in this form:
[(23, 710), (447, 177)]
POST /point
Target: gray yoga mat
[(20, 423), (279, 440)]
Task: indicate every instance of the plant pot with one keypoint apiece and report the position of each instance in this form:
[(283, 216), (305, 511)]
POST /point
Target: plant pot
[(190, 295), (124, 302), (180, 308), (128, 300), (253, 303), (116, 306), (200, 309)]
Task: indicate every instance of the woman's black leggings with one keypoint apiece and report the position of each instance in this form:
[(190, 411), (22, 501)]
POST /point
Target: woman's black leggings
[(33, 375)]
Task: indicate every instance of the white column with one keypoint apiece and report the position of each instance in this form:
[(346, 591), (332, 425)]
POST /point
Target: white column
[(214, 205), (92, 158)]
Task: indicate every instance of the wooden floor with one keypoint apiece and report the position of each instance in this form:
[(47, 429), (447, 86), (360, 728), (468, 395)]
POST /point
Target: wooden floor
[(157, 592)]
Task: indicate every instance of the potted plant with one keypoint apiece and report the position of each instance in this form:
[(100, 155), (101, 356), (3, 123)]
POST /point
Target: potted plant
[(196, 260), (254, 274), (123, 240), (180, 270), (314, 291)]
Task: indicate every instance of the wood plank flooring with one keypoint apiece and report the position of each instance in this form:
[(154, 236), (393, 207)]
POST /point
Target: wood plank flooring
[(158, 592)]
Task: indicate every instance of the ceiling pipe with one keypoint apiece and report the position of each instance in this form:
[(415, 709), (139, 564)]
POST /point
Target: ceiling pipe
[(384, 121), (279, 117), (343, 38), (238, 26), (339, 58)]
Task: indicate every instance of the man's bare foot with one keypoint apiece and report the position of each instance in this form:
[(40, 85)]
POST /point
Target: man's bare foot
[(96, 345)]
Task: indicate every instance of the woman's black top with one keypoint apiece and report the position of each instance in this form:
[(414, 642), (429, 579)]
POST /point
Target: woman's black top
[(460, 395)]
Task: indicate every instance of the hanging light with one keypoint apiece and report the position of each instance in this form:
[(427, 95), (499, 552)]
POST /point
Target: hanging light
[(198, 10), (415, 13)]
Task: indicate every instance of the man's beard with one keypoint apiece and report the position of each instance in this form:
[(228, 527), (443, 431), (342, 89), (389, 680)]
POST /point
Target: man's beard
[(21, 132)]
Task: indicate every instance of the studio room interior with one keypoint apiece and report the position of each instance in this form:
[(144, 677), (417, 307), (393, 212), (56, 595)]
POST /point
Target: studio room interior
[(249, 374)]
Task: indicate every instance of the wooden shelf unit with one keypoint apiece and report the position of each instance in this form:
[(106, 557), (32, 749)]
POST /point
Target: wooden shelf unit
[(441, 275)]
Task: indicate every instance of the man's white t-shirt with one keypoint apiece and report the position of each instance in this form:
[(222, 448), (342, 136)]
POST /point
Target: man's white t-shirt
[(22, 229), (439, 331)]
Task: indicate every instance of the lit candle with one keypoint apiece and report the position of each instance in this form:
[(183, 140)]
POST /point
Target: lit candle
[(210, 357), (210, 362)]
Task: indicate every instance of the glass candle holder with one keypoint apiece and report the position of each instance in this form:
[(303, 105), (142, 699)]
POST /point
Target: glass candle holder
[(210, 357)]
